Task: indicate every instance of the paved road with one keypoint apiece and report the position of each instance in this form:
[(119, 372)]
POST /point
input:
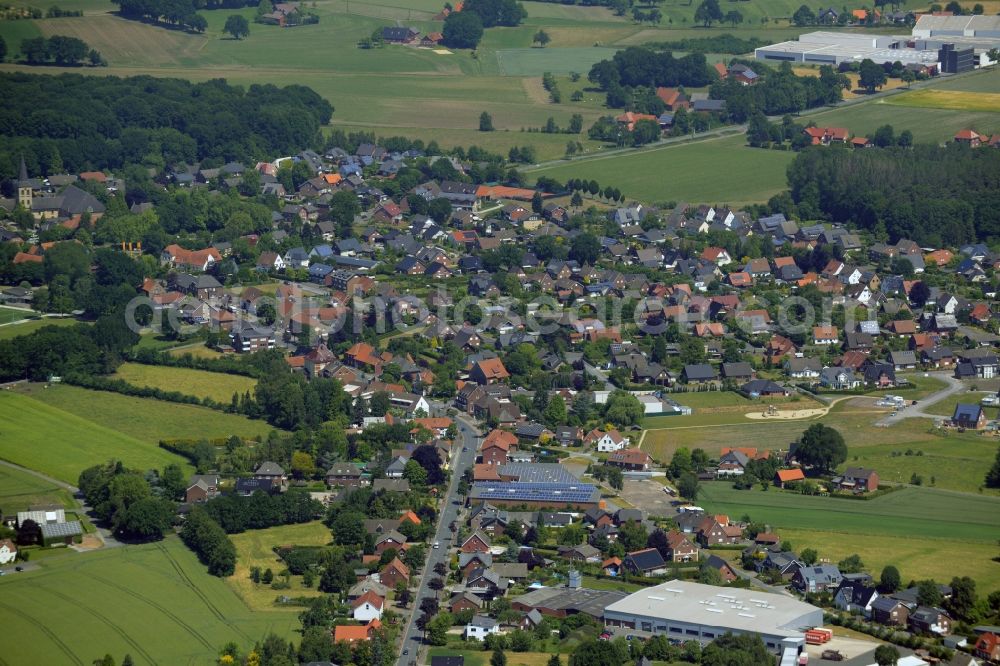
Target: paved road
[(594, 371), (917, 411), (469, 437)]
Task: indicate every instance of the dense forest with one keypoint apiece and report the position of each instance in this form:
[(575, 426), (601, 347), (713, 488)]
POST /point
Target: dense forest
[(632, 76), (939, 196), (75, 123)]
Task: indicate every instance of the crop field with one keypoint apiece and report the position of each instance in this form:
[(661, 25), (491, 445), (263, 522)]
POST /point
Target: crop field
[(19, 490), (912, 511), (987, 81), (215, 385), (155, 602), (396, 89), (927, 125), (916, 557), (534, 62), (685, 171), (957, 100), (43, 437), (253, 549), (146, 419)]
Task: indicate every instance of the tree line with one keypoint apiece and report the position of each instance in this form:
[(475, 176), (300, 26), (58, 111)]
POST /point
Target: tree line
[(135, 505), (235, 514), (114, 121), (936, 195), (60, 50), (779, 91), (640, 70)]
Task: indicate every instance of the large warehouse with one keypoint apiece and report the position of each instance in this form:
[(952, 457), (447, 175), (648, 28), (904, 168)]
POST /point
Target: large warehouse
[(833, 48), (692, 611), (923, 47)]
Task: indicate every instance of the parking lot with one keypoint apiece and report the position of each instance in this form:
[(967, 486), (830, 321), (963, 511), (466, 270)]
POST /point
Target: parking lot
[(849, 648), (648, 495)]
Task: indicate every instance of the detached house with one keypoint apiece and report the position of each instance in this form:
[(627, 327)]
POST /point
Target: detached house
[(817, 578), (606, 441), (647, 562), (631, 460), (856, 480), (680, 548)]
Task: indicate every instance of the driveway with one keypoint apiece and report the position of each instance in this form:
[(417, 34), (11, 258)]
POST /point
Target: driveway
[(450, 507), (917, 411), (107, 538)]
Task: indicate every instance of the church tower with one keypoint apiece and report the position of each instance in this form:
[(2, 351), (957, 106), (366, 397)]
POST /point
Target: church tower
[(24, 187)]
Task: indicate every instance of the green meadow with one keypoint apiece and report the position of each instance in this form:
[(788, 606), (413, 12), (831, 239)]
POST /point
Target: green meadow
[(908, 512), (721, 170), (62, 430), (215, 385)]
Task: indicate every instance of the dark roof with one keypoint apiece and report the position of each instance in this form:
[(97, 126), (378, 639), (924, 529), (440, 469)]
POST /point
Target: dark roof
[(448, 661), (966, 412), (646, 560), (699, 371)]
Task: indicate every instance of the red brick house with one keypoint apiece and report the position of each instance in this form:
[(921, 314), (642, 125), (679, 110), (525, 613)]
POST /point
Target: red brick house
[(632, 460), (464, 601), (857, 480), (476, 543), (680, 548), (489, 371), (715, 530), (494, 453), (395, 572), (988, 647)]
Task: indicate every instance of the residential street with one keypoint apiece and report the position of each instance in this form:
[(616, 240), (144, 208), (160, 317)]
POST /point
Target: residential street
[(450, 505), (916, 411)]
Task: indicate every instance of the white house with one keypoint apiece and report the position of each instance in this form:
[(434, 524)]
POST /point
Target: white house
[(480, 627), (8, 551), (368, 607), (606, 442)]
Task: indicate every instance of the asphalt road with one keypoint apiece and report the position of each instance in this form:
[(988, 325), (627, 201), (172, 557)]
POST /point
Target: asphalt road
[(450, 507), (916, 411)]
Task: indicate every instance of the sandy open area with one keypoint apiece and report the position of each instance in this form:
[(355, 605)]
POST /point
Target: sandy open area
[(787, 415)]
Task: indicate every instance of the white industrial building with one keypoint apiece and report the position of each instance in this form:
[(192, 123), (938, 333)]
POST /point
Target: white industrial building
[(834, 48), (692, 611), (929, 35), (985, 27)]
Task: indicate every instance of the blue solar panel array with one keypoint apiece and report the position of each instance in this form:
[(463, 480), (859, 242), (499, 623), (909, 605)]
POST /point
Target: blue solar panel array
[(534, 492)]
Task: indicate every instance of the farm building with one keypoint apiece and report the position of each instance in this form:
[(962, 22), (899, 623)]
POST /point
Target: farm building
[(562, 601), (692, 611)]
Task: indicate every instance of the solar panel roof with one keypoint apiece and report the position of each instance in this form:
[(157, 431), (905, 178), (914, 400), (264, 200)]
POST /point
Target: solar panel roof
[(538, 492)]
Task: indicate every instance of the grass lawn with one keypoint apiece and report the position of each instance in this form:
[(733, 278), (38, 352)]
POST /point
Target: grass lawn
[(946, 407), (31, 325), (10, 315), (61, 444), (146, 420), (912, 511), (197, 350), (253, 549), (951, 461), (19, 490), (606, 584), (917, 558), (682, 171), (958, 100), (481, 658), (154, 601), (215, 385)]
